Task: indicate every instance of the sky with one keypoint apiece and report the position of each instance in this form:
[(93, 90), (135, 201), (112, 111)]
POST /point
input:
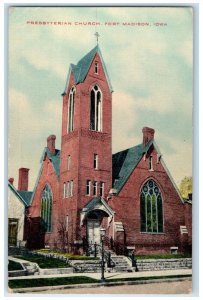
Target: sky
[(150, 67)]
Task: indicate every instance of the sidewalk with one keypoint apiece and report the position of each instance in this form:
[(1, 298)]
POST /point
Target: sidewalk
[(113, 275)]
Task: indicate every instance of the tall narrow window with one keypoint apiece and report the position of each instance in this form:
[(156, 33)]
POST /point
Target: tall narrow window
[(96, 68), (151, 210), (71, 110), (64, 190), (94, 188), (150, 164), (71, 188), (46, 208), (66, 223), (101, 189), (67, 189), (88, 183), (95, 161), (68, 162), (96, 109)]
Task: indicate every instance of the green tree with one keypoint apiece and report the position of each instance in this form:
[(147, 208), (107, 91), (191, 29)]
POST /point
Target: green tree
[(186, 186)]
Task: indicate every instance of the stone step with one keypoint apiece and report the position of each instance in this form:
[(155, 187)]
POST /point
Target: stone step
[(123, 269), (122, 264)]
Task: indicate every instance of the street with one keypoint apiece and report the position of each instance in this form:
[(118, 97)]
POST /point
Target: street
[(175, 287)]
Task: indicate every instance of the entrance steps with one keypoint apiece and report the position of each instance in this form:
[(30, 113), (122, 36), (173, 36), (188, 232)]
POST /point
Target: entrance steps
[(121, 264)]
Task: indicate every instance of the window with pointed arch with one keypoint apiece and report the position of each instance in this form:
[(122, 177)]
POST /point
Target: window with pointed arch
[(96, 109), (46, 208), (151, 208), (71, 107)]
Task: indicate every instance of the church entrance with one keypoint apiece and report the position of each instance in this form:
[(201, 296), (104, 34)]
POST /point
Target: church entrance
[(93, 232), (97, 216), (95, 221)]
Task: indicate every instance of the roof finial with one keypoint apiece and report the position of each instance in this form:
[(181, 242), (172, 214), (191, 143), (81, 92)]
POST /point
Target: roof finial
[(97, 37)]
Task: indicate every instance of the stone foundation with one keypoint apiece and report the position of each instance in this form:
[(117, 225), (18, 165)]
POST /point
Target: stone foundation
[(164, 264)]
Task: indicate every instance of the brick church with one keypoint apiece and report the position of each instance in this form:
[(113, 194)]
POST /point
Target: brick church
[(83, 190)]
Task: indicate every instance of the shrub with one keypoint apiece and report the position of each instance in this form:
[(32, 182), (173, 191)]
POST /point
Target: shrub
[(14, 266)]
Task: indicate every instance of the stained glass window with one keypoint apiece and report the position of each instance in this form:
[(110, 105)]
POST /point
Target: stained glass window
[(46, 208), (151, 208)]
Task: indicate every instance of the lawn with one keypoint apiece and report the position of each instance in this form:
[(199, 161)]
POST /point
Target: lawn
[(45, 262), (25, 283), (19, 283)]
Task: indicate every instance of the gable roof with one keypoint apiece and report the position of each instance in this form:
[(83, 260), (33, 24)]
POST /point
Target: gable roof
[(26, 195), (23, 196), (81, 69), (95, 202), (124, 162), (55, 158)]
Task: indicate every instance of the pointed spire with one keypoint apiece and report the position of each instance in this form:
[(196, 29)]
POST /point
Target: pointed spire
[(97, 37)]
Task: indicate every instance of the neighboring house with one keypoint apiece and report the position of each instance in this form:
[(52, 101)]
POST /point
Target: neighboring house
[(82, 189), (18, 202)]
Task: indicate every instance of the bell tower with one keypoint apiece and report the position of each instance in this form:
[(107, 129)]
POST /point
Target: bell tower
[(86, 141)]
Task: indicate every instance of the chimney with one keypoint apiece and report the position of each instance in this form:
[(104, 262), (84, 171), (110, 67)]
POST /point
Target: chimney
[(51, 143), (148, 135), (23, 179), (11, 180)]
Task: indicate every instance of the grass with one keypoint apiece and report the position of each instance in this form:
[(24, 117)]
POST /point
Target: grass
[(147, 278), (68, 255), (19, 283), (14, 266), (25, 283), (162, 256), (45, 262)]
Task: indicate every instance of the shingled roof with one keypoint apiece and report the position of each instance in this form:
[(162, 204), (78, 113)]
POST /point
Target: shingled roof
[(55, 158), (81, 69), (26, 195), (23, 196), (124, 162)]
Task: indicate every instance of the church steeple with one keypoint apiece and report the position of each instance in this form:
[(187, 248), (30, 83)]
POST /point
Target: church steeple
[(86, 142), (81, 69)]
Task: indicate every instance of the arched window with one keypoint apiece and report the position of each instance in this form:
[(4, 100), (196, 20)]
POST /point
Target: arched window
[(151, 208), (96, 109), (46, 208), (71, 110)]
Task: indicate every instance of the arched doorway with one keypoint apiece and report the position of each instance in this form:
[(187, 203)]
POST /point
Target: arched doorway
[(96, 219)]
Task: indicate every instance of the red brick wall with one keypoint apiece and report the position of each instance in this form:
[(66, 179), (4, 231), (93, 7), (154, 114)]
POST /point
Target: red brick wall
[(127, 207), (188, 220), (49, 177)]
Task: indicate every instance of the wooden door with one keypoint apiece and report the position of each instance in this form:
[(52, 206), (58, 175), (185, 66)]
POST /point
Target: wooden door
[(93, 232)]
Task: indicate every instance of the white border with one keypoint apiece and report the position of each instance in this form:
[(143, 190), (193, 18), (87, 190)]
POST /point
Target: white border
[(198, 173)]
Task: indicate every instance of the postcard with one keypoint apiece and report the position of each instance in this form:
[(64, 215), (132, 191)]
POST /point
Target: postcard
[(100, 102)]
